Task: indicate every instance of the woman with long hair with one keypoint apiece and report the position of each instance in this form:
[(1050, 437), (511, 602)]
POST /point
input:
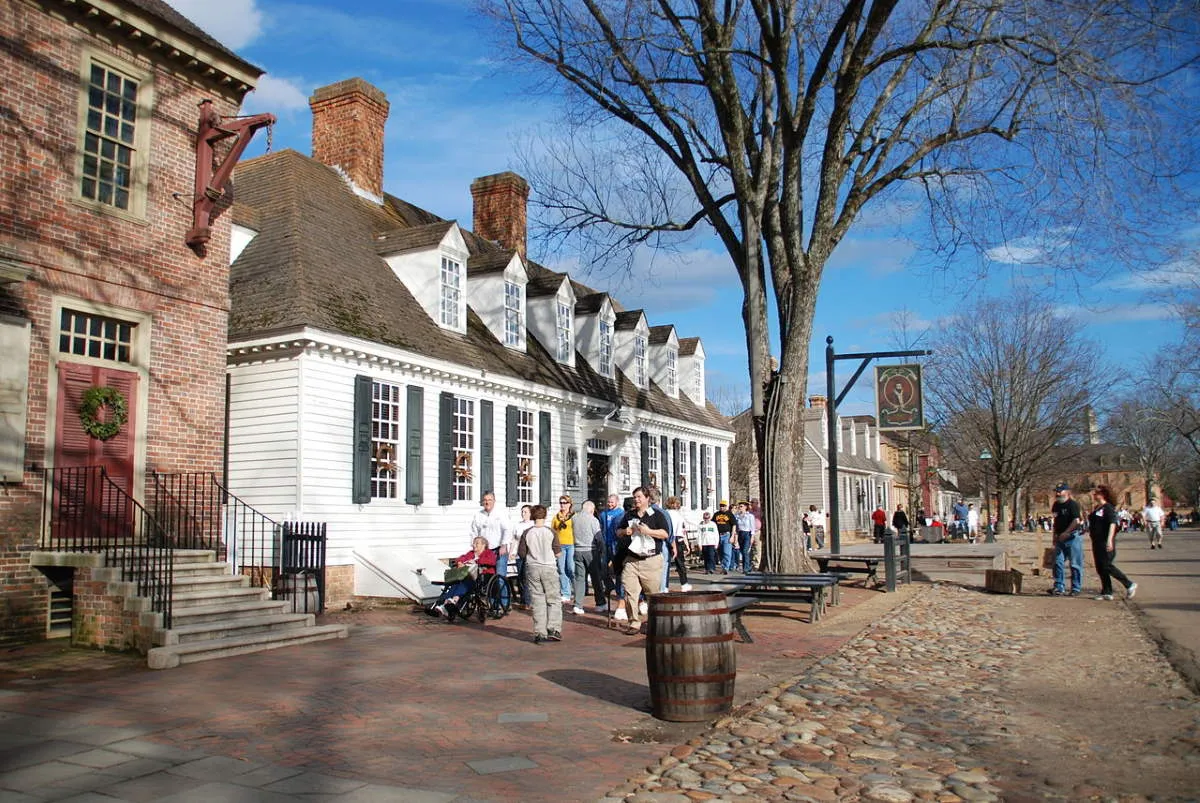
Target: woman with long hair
[(1102, 526)]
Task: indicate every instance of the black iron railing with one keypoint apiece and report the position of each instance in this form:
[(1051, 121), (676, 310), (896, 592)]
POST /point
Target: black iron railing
[(87, 512), (207, 516), (303, 563)]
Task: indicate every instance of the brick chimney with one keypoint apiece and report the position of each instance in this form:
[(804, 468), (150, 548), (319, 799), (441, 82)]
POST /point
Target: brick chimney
[(816, 402), (499, 215), (348, 121)]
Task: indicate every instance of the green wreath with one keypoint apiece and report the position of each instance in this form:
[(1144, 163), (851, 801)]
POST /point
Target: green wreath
[(118, 412)]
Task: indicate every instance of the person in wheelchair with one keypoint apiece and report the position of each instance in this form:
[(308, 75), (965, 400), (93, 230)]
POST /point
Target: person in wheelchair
[(479, 562)]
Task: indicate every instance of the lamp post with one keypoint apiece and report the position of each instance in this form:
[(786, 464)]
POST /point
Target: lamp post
[(984, 457)]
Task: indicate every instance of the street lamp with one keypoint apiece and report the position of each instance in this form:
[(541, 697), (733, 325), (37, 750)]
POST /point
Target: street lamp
[(984, 456)]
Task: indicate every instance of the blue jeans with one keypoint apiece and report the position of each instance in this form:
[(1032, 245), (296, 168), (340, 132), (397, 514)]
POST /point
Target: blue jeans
[(502, 573), (744, 539), (1070, 549), (710, 558), (566, 569), (725, 547)]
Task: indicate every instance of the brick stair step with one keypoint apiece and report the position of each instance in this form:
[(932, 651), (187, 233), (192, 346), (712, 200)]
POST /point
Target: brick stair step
[(167, 657), (188, 584), (227, 628), (222, 612), (218, 596)]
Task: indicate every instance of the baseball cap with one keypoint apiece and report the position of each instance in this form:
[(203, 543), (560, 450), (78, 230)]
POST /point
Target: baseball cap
[(724, 502), (1062, 486)]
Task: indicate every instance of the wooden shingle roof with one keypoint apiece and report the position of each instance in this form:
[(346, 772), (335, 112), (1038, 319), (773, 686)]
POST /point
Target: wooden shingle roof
[(316, 263)]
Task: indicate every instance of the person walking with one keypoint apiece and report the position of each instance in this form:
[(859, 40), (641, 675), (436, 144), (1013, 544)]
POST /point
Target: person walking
[(678, 546), (900, 522), (1153, 517), (1068, 541), (589, 555), (610, 520), (561, 524), (494, 527), (540, 548), (724, 520), (744, 521), (1103, 523), (708, 542), (644, 532)]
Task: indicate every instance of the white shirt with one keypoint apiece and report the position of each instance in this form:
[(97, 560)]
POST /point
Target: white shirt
[(972, 518), (708, 534), (1153, 514), (493, 526)]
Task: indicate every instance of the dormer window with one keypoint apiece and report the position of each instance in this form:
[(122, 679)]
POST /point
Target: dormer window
[(514, 314), (672, 372), (566, 343), (698, 378), (451, 293), (639, 360), (606, 349)]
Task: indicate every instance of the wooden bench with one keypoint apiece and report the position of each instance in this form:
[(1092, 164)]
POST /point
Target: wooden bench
[(736, 606), (851, 564), (819, 590)]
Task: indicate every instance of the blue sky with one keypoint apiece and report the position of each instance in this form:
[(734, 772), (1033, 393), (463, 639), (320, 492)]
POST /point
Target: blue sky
[(457, 113)]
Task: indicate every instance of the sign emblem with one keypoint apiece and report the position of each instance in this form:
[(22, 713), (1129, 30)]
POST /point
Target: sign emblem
[(898, 397)]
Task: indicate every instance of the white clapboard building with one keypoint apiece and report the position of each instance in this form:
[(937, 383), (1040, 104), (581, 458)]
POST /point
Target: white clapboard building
[(387, 367)]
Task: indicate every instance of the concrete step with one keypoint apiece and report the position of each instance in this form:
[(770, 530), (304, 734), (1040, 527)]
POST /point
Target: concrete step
[(181, 556), (182, 617), (201, 569), (233, 628), (202, 582), (217, 596), (173, 655)]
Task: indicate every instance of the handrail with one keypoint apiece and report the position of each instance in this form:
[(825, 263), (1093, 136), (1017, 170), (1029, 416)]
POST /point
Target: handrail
[(86, 511)]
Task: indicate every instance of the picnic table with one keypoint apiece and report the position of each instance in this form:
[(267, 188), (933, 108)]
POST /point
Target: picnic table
[(855, 564), (819, 590)]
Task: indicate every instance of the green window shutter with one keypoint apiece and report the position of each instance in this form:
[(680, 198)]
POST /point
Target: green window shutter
[(414, 492), (674, 486), (664, 466), (487, 474), (719, 486), (360, 483), (692, 472), (511, 421), (645, 459), (445, 448), (544, 458)]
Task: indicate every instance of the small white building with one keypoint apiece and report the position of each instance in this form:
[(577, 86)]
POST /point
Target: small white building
[(388, 367)]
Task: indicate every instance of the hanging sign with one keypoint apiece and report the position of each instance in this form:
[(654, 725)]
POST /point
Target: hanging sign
[(898, 400)]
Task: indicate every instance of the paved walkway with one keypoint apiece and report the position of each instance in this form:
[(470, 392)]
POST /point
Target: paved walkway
[(407, 709)]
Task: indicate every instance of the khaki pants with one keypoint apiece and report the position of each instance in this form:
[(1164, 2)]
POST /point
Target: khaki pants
[(640, 574), (542, 581)]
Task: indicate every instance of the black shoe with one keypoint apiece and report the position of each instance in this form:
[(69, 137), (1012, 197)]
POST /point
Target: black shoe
[(538, 639), (451, 611), (1055, 592), (1074, 593), (554, 635)]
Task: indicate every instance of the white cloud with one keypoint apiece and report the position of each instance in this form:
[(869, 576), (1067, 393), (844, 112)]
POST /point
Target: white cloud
[(1030, 250), (1182, 273), (233, 23), (276, 95), (878, 256), (672, 282)]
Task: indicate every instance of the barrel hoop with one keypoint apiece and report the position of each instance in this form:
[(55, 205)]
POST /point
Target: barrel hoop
[(653, 639), (669, 704), (705, 612), (692, 678)]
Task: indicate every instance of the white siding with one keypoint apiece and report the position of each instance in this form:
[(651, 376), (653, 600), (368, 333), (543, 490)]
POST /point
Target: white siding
[(264, 435)]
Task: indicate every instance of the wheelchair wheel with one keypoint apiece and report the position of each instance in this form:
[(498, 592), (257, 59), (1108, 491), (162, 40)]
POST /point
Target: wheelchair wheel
[(497, 596), (467, 605)]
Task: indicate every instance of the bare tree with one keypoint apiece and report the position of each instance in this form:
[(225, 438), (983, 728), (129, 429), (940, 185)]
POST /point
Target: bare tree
[(1012, 378), (729, 399), (773, 124), (1148, 432)]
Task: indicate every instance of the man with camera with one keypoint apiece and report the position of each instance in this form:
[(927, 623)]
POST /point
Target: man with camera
[(642, 535)]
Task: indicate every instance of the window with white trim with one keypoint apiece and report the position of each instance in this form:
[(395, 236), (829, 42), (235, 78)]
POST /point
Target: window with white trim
[(451, 293), (82, 334), (639, 361), (706, 457), (566, 343), (386, 420), (672, 371), (652, 462), (698, 378), (463, 437), (525, 457), (514, 316), (624, 463), (109, 145), (606, 349)]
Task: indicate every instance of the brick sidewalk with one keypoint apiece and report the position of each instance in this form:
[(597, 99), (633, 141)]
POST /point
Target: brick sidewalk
[(407, 703)]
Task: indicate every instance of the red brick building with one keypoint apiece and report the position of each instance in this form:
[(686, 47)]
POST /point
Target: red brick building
[(100, 297)]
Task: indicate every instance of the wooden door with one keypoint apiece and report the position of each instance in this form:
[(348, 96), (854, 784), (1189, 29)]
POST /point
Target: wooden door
[(597, 479), (83, 505)]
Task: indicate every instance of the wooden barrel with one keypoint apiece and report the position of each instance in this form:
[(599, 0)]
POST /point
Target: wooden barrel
[(690, 658)]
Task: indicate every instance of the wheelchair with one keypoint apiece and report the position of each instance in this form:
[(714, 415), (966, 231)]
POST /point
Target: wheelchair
[(489, 598)]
